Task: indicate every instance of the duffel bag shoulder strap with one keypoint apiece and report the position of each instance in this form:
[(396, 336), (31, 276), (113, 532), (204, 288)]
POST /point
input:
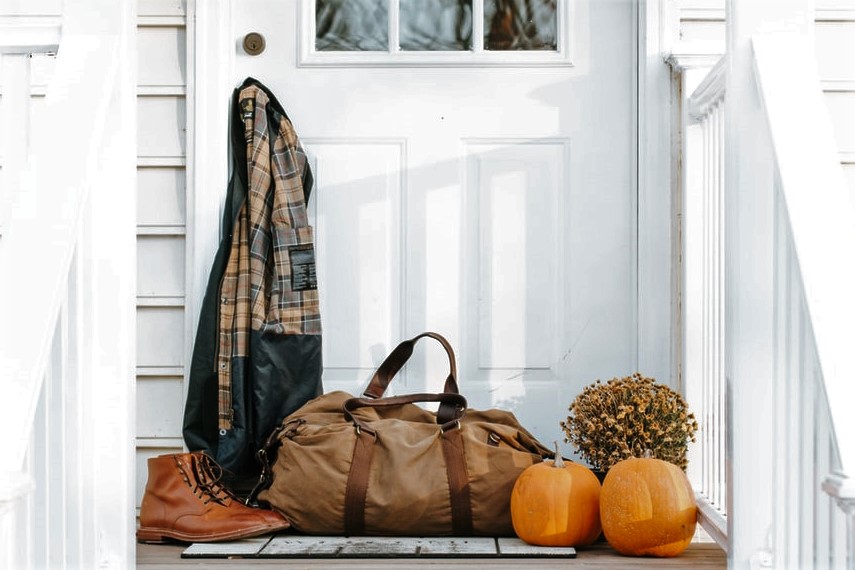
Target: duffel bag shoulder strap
[(452, 450)]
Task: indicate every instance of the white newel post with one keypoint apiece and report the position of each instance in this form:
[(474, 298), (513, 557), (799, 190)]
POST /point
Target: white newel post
[(108, 257), (749, 223), (68, 330)]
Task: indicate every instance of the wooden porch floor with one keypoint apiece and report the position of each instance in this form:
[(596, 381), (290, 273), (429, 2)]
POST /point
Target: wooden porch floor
[(700, 555)]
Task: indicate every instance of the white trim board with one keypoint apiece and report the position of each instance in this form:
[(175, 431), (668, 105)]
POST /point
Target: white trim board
[(657, 252)]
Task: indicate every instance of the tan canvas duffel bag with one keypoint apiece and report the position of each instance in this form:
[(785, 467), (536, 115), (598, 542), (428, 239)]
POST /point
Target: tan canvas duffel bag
[(385, 466)]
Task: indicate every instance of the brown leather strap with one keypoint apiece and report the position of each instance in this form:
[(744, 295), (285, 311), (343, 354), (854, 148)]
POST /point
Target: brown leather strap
[(357, 483), (458, 482), (263, 455), (453, 402), (399, 356), (267, 454), (451, 406)]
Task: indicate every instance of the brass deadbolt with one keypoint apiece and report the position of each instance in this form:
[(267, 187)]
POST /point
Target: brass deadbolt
[(253, 43)]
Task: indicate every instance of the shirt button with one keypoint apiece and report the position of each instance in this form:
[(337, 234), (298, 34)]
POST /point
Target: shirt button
[(223, 365), (224, 301)]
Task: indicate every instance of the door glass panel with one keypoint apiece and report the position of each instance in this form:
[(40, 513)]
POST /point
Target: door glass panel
[(352, 25), (520, 25), (436, 25)]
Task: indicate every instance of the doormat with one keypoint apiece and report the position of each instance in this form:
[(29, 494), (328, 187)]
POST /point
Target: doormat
[(291, 546)]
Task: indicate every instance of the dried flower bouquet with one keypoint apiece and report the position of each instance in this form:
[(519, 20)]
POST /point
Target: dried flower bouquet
[(626, 417)]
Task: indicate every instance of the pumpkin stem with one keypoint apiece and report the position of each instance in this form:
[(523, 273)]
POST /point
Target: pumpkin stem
[(558, 461)]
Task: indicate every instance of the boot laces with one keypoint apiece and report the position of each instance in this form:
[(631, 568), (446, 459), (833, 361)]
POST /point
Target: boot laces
[(207, 484)]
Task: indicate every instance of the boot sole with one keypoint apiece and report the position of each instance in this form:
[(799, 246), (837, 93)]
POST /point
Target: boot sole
[(147, 535)]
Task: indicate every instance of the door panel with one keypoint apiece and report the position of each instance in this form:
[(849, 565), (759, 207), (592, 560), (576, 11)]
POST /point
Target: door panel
[(357, 216), (491, 204), (513, 253)]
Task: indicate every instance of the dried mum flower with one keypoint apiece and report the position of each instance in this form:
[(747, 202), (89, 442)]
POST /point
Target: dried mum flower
[(625, 417)]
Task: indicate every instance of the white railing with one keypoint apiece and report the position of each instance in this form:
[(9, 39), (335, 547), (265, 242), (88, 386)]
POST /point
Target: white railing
[(703, 305), (814, 295), (769, 300), (67, 265)]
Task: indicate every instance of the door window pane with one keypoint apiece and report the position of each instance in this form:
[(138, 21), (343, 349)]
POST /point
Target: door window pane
[(351, 25), (457, 32), (520, 25), (435, 25)]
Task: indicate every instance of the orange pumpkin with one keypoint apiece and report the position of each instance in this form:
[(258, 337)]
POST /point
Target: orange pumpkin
[(648, 508), (556, 504)]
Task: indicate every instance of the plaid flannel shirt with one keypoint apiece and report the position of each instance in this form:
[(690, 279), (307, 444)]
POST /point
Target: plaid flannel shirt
[(269, 284)]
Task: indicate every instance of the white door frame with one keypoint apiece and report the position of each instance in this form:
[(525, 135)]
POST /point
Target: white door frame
[(657, 213)]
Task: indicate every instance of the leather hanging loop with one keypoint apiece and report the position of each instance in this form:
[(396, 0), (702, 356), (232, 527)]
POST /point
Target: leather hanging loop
[(399, 357)]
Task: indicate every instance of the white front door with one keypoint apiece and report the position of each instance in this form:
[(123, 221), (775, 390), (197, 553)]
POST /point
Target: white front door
[(481, 192)]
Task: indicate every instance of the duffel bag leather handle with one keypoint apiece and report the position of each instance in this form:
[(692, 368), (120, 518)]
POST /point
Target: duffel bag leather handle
[(398, 357), (455, 403)]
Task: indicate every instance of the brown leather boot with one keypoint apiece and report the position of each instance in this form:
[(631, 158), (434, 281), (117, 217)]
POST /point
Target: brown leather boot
[(185, 500)]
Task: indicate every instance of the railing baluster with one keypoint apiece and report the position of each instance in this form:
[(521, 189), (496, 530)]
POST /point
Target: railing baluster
[(808, 493), (819, 466), (716, 271), (705, 378), (708, 308), (56, 437), (73, 514), (793, 417), (40, 465), (722, 400), (843, 546), (708, 291)]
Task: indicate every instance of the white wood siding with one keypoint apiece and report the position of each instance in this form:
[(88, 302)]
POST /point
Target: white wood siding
[(835, 44), (700, 24), (161, 229)]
